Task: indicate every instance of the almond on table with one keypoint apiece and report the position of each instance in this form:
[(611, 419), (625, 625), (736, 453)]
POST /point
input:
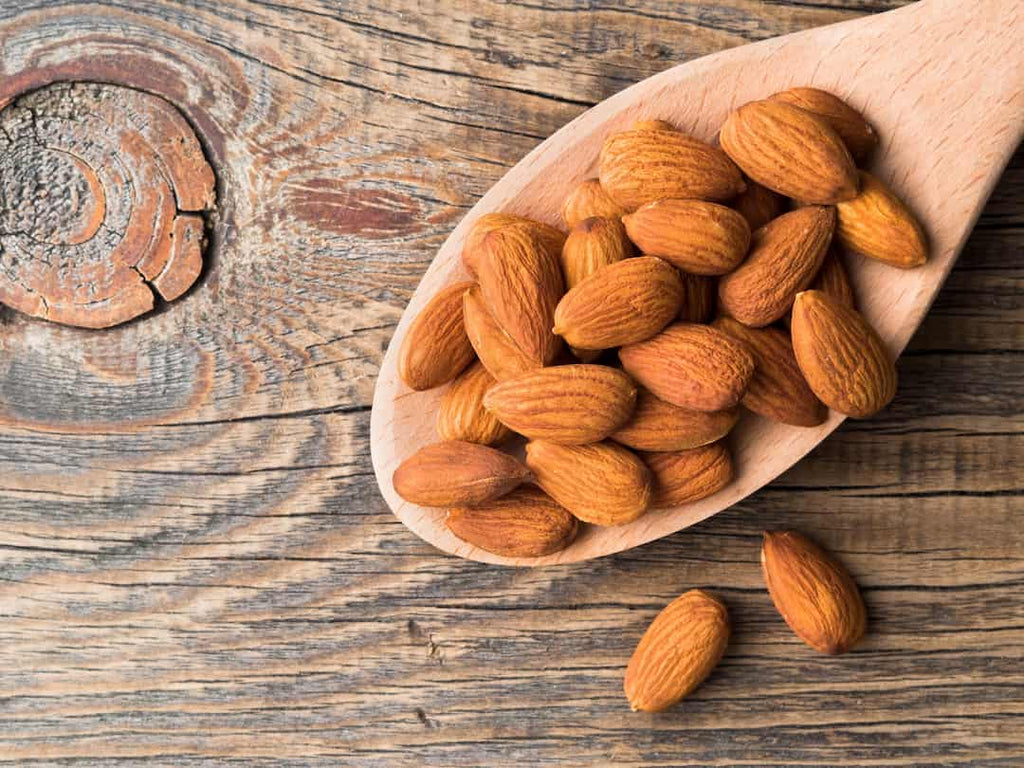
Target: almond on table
[(677, 652)]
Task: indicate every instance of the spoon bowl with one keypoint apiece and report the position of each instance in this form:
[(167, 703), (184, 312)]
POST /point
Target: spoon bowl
[(942, 82)]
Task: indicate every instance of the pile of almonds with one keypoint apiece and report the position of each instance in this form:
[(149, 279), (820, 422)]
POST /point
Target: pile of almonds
[(695, 279)]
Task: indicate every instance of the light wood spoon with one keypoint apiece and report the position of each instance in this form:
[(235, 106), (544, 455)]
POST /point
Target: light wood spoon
[(942, 81)]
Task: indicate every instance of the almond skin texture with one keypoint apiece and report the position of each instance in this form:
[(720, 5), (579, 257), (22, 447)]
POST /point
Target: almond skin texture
[(600, 483), (677, 652), (521, 284), (700, 294), (681, 477), (758, 205), (462, 416), (642, 166), (777, 390), (858, 135), (436, 348), (457, 473), (592, 244), (790, 151), (697, 236), (495, 348), (815, 595), (832, 279), (785, 255), (692, 366), (659, 426), (622, 303), (551, 237), (841, 356), (524, 523), (589, 200), (877, 224), (569, 404)]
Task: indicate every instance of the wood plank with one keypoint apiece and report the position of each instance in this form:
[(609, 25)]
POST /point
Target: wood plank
[(197, 567)]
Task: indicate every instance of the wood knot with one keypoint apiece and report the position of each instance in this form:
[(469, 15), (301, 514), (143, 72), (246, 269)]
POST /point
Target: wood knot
[(103, 192)]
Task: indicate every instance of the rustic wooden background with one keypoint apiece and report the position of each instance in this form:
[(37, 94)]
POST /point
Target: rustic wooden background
[(197, 566)]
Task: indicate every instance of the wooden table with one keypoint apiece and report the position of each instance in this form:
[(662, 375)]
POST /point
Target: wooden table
[(197, 566)]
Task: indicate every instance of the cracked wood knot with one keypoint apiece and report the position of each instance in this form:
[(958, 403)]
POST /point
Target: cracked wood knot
[(103, 194)]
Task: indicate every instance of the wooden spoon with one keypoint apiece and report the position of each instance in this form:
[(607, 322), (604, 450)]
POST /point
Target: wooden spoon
[(942, 81)]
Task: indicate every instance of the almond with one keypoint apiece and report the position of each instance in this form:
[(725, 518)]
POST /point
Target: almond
[(841, 356), (857, 134), (877, 224), (521, 284), (642, 166), (436, 349), (592, 244), (699, 298), (791, 151), (495, 348), (815, 595), (551, 237), (696, 236), (524, 523), (456, 473), (600, 483), (758, 205), (652, 125), (622, 303), (462, 416), (569, 404), (659, 426), (833, 280), (692, 366), (777, 390), (785, 255), (677, 652), (681, 477), (589, 200)]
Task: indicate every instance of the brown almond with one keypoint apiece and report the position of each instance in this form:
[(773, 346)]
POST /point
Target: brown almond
[(697, 236), (623, 303), (642, 166), (758, 205), (592, 244), (692, 366), (600, 483), (436, 349), (659, 426), (785, 255), (521, 283), (551, 237), (879, 225), (858, 135), (495, 348), (589, 200), (569, 404), (777, 390), (791, 151), (462, 416), (841, 356), (677, 652), (700, 294), (681, 477), (833, 280), (457, 473), (524, 523), (814, 593)]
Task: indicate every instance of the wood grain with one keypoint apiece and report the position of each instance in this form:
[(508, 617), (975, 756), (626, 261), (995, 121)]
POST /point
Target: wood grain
[(197, 567)]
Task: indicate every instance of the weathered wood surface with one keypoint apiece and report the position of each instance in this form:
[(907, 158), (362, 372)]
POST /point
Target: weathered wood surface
[(197, 566)]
